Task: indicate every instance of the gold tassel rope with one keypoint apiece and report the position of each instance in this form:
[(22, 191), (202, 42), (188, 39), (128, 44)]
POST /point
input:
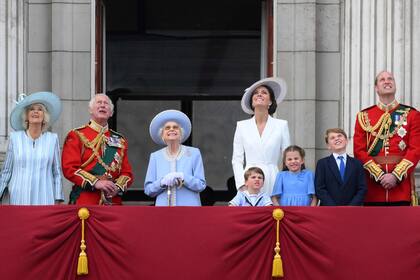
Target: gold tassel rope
[(82, 264), (414, 198), (278, 214)]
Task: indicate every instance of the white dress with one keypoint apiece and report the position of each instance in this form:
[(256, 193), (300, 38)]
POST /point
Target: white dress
[(263, 151), (32, 170)]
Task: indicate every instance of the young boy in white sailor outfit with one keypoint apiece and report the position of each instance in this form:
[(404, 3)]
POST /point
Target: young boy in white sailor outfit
[(251, 195)]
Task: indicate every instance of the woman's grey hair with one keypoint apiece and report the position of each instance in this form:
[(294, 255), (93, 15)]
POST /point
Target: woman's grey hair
[(45, 121), (180, 129), (92, 101)]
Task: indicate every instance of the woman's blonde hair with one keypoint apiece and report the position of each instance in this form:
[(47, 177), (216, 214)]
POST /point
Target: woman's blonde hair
[(45, 121)]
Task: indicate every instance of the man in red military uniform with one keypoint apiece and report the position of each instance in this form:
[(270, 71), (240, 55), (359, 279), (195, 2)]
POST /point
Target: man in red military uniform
[(95, 158), (387, 141)]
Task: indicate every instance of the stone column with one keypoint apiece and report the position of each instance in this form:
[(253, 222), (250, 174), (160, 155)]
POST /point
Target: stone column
[(12, 61), (308, 57), (59, 56), (295, 43)]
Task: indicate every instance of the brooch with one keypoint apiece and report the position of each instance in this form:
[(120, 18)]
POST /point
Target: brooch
[(401, 132), (402, 145)]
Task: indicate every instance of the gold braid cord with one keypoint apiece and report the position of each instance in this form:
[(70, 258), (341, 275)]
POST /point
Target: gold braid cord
[(414, 197), (384, 126), (383, 123), (82, 263), (95, 145), (278, 215)]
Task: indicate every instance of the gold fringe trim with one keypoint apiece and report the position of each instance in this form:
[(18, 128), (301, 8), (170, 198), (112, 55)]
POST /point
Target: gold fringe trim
[(82, 263), (278, 214)]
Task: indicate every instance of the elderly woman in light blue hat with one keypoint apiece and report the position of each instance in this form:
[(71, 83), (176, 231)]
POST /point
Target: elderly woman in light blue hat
[(175, 175), (32, 170)]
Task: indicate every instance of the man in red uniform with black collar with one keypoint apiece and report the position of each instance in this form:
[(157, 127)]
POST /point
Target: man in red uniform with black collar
[(95, 158), (387, 141)]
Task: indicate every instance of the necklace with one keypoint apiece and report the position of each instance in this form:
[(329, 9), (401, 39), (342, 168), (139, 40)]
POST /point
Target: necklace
[(172, 156)]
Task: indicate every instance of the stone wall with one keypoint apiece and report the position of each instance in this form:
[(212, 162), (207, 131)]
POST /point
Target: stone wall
[(309, 58)]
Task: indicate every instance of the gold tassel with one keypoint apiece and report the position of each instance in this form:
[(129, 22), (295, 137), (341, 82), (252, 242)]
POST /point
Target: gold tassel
[(82, 264), (278, 214)]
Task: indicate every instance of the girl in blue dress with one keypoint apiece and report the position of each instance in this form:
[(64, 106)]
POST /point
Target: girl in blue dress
[(294, 186)]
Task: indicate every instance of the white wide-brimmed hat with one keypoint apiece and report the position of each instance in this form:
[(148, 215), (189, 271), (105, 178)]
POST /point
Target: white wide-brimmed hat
[(169, 116), (51, 102), (278, 86)]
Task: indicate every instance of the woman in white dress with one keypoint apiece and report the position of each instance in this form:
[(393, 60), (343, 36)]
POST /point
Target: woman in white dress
[(32, 169), (260, 140)]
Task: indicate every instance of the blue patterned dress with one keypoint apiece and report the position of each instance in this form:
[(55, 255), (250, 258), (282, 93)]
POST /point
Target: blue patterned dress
[(295, 189), (32, 170)]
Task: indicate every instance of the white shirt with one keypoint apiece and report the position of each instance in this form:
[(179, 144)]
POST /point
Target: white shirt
[(337, 160)]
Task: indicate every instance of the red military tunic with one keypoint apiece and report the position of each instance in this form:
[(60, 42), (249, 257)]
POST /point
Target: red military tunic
[(387, 140), (93, 152)]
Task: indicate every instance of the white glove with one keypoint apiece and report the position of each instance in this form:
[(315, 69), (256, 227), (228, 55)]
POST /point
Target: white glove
[(172, 179), (179, 175), (164, 182), (169, 179), (178, 179)]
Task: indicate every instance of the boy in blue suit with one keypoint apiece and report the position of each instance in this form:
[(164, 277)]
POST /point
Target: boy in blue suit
[(339, 178)]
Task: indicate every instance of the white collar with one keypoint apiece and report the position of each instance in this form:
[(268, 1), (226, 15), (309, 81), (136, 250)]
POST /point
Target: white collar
[(344, 155)]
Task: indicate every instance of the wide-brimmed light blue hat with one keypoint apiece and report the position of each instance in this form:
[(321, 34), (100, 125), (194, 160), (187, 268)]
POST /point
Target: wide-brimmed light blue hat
[(278, 86), (169, 116), (51, 102)]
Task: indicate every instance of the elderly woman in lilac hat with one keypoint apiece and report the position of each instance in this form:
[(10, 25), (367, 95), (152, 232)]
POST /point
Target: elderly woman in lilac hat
[(175, 175), (32, 170)]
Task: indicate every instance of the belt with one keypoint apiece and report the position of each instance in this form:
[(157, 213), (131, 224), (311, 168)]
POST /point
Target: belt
[(388, 159)]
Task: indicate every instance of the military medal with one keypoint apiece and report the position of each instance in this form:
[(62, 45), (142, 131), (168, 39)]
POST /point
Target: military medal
[(117, 158), (114, 141), (397, 119), (402, 145), (401, 132)]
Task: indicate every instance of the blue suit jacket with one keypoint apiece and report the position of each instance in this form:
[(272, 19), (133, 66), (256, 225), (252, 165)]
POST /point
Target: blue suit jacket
[(331, 189)]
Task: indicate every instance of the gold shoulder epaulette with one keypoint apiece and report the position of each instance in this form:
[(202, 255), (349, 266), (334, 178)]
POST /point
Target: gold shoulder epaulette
[(365, 109), (80, 127), (76, 129)]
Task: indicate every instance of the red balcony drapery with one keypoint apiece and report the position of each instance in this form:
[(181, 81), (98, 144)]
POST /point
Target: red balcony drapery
[(133, 242)]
